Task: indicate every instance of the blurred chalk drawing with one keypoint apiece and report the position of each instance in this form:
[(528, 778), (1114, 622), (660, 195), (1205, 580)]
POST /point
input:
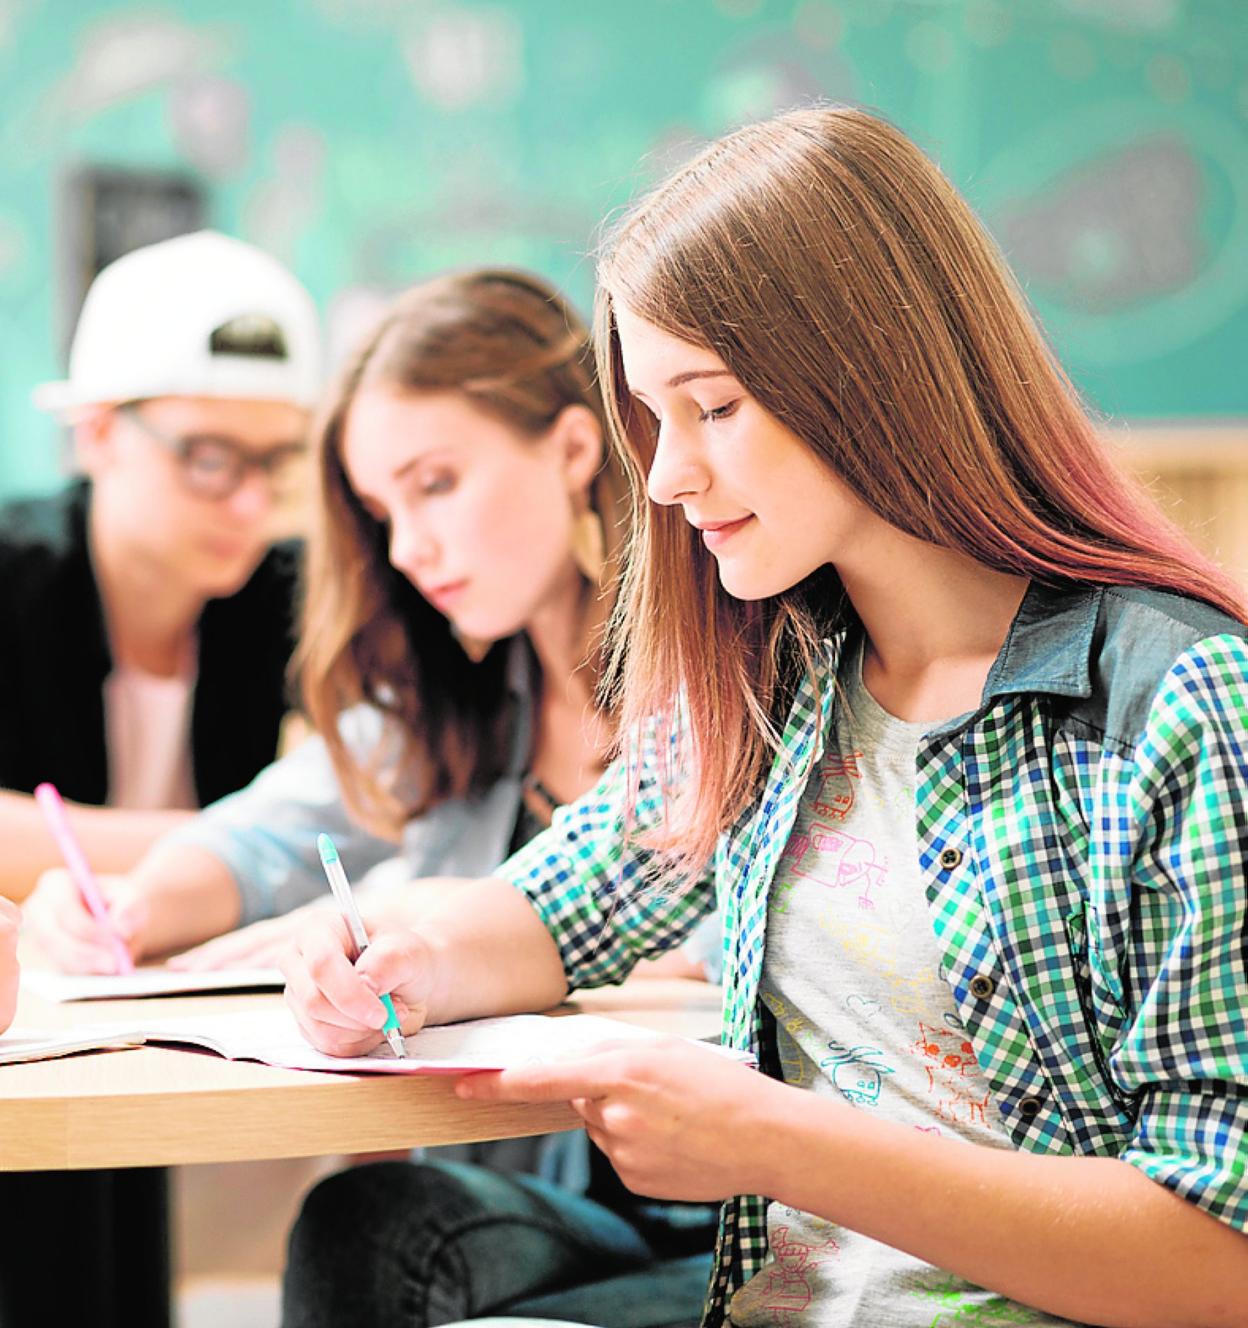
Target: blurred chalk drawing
[(371, 142), (460, 58), (123, 57)]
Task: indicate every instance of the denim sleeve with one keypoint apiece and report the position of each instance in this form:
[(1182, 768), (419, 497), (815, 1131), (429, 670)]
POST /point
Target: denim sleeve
[(266, 833), (597, 890), (1184, 1054)]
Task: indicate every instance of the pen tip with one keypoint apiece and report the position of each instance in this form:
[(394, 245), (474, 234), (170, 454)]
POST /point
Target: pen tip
[(325, 847)]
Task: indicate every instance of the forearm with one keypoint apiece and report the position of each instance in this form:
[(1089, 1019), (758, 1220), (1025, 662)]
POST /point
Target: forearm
[(492, 954), (113, 839), (191, 895), (1091, 1239)]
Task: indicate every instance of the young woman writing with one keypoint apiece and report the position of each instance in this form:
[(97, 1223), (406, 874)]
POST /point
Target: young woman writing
[(460, 570), (955, 727), (455, 594)]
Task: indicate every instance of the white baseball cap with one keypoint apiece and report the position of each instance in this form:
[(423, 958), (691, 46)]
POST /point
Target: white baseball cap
[(201, 315)]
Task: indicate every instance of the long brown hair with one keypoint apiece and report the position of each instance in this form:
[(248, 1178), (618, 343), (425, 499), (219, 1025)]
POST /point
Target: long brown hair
[(516, 350), (852, 292)]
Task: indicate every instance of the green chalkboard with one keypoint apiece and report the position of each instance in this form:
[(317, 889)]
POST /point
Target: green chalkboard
[(369, 142)]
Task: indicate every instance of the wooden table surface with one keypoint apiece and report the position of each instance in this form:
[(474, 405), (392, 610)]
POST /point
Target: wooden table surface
[(154, 1106)]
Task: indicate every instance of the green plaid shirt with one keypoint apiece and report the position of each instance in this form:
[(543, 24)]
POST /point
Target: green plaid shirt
[(1083, 837)]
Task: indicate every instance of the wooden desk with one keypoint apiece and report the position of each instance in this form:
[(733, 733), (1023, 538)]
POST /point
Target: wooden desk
[(154, 1106)]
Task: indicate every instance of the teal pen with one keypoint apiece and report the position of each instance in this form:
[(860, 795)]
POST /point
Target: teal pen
[(355, 925)]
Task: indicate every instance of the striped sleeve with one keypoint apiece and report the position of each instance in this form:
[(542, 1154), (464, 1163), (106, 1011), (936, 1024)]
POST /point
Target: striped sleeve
[(596, 888)]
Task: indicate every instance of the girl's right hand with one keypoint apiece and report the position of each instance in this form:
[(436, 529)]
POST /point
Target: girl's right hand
[(337, 1004), (10, 922), (66, 931)]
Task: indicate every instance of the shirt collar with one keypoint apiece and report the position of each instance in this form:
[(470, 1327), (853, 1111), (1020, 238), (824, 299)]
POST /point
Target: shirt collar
[(1049, 645), (1047, 649)]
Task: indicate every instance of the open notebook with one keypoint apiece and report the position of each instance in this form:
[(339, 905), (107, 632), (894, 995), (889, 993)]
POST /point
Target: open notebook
[(271, 1036)]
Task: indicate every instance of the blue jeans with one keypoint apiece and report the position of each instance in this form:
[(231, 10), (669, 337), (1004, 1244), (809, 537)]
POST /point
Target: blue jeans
[(405, 1245)]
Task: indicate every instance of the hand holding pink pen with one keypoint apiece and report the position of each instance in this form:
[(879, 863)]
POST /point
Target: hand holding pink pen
[(53, 809)]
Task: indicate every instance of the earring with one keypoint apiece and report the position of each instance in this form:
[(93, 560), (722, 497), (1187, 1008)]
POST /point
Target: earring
[(589, 547)]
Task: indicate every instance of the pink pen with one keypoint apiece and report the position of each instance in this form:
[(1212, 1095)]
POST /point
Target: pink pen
[(53, 809)]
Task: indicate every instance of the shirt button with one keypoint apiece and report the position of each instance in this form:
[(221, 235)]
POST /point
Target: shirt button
[(982, 987), (1029, 1107), (951, 858)]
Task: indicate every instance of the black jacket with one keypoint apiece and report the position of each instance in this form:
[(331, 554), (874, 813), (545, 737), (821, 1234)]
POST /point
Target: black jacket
[(54, 658)]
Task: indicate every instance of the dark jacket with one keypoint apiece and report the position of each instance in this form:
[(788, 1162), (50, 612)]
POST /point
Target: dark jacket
[(54, 658)]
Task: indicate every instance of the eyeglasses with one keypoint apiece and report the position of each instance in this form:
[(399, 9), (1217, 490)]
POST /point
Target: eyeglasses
[(215, 467)]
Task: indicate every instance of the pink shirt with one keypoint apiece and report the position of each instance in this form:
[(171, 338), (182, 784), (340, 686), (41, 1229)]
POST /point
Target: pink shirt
[(148, 726)]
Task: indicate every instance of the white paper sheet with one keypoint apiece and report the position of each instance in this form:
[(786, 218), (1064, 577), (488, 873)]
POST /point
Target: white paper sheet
[(272, 1036), (62, 987)]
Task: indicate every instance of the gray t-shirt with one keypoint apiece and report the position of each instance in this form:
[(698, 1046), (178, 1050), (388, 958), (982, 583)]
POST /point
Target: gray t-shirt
[(852, 975)]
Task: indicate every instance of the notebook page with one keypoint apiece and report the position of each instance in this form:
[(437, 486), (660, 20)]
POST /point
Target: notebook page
[(272, 1036)]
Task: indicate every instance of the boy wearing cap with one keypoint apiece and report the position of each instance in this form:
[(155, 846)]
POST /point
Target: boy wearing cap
[(148, 626), (151, 621)]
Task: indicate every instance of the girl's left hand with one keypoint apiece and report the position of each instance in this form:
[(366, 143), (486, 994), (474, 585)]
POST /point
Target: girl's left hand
[(678, 1121)]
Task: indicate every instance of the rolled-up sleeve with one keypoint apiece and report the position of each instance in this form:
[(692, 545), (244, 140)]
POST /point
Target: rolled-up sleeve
[(1184, 1055), (597, 891)]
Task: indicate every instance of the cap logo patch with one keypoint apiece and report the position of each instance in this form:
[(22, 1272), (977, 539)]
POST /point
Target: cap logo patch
[(254, 335)]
